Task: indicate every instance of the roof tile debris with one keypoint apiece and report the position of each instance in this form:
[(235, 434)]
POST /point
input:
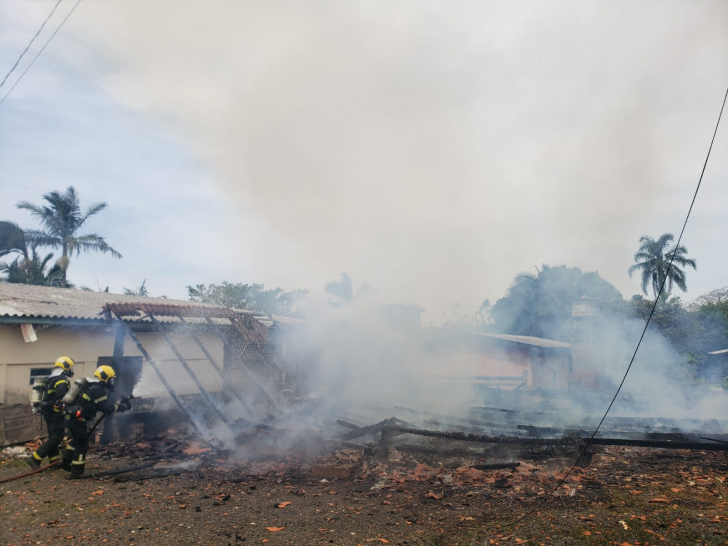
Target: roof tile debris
[(167, 309)]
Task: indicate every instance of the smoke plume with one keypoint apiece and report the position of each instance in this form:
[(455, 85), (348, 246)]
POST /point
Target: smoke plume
[(432, 149)]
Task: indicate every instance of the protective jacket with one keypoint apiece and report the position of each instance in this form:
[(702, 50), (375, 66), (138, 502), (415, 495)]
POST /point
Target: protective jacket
[(55, 388), (93, 398)]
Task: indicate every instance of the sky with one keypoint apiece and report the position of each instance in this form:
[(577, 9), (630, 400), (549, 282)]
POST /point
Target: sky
[(430, 149)]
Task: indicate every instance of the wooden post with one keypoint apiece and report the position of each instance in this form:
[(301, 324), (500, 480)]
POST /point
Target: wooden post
[(205, 394), (217, 368), (164, 381)]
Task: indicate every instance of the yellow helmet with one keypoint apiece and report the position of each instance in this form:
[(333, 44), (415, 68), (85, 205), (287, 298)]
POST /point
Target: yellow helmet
[(64, 362), (104, 373)]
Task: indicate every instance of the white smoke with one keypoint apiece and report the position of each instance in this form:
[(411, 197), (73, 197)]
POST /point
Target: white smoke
[(432, 149)]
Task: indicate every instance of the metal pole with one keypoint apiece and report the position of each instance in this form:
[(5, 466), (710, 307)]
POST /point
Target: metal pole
[(232, 353), (217, 368), (186, 366), (169, 388)]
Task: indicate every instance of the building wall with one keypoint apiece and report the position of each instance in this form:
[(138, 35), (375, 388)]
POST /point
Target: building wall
[(469, 364), (547, 368), (550, 370), (85, 345)]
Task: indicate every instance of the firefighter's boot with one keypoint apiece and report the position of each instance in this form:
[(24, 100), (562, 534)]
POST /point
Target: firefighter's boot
[(33, 461), (74, 476)]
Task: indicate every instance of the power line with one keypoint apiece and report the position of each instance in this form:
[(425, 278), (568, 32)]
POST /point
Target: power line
[(39, 53), (30, 44), (644, 330)]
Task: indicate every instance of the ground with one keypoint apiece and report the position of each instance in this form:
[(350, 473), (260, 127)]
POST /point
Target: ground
[(624, 496)]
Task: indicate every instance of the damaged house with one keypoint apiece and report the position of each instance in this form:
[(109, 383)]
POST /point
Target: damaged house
[(197, 354), (499, 360)]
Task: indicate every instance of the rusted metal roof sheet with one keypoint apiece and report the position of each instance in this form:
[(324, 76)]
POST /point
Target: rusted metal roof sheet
[(167, 310)]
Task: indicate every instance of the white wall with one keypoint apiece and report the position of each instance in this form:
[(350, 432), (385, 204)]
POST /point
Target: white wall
[(85, 345)]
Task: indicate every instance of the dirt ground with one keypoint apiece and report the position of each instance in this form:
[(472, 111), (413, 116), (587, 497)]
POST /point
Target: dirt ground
[(625, 496)]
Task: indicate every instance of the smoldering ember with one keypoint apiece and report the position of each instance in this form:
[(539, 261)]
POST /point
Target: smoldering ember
[(354, 428)]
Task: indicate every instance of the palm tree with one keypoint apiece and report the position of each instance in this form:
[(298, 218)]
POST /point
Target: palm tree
[(32, 270), (60, 222), (343, 290), (652, 260), (141, 291), (12, 239)]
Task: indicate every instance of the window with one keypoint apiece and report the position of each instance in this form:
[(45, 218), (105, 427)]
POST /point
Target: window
[(39, 373)]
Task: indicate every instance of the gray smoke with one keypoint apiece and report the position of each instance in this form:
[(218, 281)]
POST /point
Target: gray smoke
[(434, 148)]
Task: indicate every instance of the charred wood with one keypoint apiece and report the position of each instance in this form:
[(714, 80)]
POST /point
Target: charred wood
[(392, 431)]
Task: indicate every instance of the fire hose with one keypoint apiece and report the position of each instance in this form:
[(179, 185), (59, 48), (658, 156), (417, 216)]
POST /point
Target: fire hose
[(43, 468)]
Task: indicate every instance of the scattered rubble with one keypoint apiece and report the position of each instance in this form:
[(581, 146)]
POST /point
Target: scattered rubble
[(627, 495)]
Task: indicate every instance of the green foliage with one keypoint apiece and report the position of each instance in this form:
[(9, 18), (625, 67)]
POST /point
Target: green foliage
[(12, 239), (652, 260), (141, 291), (252, 297), (694, 330), (31, 270), (540, 305), (343, 290), (717, 297), (61, 221)]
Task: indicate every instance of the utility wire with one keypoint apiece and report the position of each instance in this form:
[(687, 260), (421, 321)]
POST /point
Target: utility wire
[(39, 53), (30, 44), (644, 330)]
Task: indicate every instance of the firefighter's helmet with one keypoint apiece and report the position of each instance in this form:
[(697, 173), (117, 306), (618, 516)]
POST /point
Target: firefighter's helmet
[(105, 374), (65, 363)]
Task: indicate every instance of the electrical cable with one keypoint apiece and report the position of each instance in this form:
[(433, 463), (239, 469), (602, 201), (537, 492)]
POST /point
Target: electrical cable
[(39, 52), (30, 44), (644, 331)]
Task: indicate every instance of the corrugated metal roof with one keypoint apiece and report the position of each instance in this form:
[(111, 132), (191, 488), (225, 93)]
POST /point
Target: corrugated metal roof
[(524, 340), (28, 301), (529, 340)]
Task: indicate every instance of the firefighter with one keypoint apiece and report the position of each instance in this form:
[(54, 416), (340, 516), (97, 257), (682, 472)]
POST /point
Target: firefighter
[(94, 397), (54, 389)]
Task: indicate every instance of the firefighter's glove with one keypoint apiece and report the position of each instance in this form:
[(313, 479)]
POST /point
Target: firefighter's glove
[(122, 406)]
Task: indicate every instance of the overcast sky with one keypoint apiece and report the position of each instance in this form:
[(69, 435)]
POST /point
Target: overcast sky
[(430, 149)]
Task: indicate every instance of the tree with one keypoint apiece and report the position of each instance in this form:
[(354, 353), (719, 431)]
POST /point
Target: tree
[(343, 290), (12, 239), (141, 291), (717, 297), (652, 260), (540, 305), (61, 221), (32, 270), (483, 315), (251, 297), (693, 330)]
